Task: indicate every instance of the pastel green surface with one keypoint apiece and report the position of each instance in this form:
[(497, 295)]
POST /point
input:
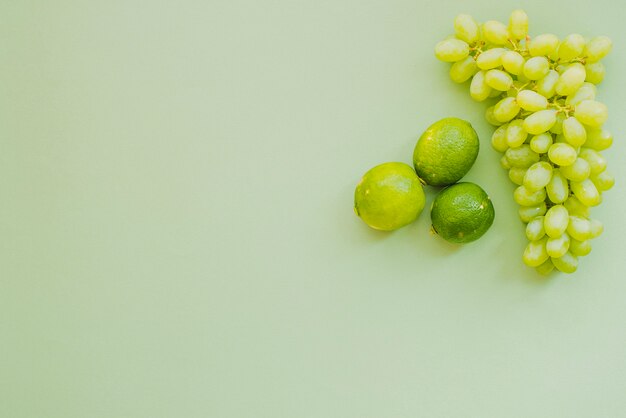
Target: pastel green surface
[(177, 236)]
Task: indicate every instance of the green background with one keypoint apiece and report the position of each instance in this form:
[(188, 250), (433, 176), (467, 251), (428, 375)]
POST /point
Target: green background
[(177, 236)]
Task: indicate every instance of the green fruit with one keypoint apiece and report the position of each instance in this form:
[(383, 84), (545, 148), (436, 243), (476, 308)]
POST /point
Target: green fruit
[(445, 152), (389, 196), (462, 213)]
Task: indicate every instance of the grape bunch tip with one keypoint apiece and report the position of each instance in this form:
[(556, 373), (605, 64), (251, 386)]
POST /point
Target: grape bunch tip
[(549, 127)]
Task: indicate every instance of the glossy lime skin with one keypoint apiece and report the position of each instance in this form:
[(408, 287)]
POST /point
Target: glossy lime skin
[(389, 196), (462, 213), (445, 152)]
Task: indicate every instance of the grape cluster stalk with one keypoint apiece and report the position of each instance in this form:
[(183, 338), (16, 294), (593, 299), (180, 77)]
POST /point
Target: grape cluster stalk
[(549, 127)]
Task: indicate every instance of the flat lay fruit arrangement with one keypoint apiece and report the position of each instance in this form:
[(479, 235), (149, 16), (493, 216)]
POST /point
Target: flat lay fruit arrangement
[(390, 195), (541, 98)]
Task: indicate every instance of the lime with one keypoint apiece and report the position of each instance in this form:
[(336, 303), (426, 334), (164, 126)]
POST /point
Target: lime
[(462, 213), (389, 196), (445, 152)]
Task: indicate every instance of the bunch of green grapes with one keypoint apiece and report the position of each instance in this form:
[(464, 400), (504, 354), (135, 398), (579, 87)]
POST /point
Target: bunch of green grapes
[(549, 127)]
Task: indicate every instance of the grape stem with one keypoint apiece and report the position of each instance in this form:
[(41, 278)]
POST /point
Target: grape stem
[(513, 44), (477, 49), (565, 109), (555, 63), (517, 47), (522, 87)]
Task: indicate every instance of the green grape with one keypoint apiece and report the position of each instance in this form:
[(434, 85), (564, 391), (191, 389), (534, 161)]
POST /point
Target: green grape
[(544, 44), (571, 47), (546, 86), (597, 48), (522, 157), (576, 208), (578, 171), (451, 50), (527, 213), (586, 192), (562, 154), (579, 228), (513, 62), (518, 24), (579, 248), (491, 118), (479, 90), (556, 221), (591, 113), (516, 174), (491, 58), (597, 162), (558, 187), (557, 128), (536, 68), (505, 163), (598, 139), (495, 32), (595, 228), (498, 138), (571, 80), (531, 101), (603, 181), (535, 253), (558, 246), (595, 72), (540, 122), (574, 132), (498, 80), (463, 70), (506, 109), (535, 229), (586, 92), (538, 176), (525, 197), (466, 28), (545, 268), (515, 133), (554, 55), (568, 263), (541, 143)]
